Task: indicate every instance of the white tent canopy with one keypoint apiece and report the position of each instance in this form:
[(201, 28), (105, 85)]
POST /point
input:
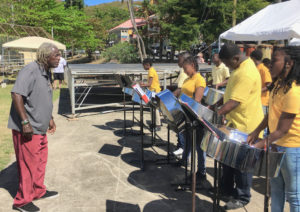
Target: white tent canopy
[(279, 21), (31, 43), (294, 42)]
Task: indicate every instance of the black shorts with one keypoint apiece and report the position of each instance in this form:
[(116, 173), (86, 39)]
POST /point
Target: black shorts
[(58, 76)]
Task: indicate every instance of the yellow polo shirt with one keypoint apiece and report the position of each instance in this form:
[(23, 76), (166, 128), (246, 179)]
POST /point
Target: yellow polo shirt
[(190, 84), (244, 86), (181, 77), (265, 78), (290, 103), (155, 86), (219, 73)]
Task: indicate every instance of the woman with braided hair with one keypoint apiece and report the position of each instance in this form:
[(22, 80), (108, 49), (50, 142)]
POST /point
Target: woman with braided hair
[(284, 124)]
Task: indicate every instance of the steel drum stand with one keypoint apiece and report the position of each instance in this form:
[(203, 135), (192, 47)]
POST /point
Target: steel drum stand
[(267, 194), (125, 132), (167, 160), (217, 177)]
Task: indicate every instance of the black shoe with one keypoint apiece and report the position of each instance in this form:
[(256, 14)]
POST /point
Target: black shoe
[(30, 207), (50, 195), (234, 204)]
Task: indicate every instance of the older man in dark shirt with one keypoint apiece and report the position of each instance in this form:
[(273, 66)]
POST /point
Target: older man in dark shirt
[(30, 119)]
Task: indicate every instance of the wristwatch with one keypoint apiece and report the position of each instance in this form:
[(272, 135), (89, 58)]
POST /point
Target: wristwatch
[(24, 122)]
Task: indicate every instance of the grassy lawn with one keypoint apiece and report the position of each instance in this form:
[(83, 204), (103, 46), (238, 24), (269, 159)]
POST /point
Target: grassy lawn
[(6, 144)]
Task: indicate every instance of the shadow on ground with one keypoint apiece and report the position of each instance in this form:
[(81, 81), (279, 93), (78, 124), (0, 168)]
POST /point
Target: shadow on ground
[(9, 179)]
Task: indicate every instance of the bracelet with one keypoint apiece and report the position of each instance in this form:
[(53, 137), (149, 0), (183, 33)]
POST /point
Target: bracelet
[(25, 122)]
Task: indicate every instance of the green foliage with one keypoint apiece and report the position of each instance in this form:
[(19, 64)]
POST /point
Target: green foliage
[(177, 23), (215, 16), (123, 52), (111, 17), (70, 25), (74, 3), (182, 20)]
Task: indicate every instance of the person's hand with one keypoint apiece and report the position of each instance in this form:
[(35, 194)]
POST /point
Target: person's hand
[(260, 144), (52, 127), (274, 148), (252, 138), (27, 131)]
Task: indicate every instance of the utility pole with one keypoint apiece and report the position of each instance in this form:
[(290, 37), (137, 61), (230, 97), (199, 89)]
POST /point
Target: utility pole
[(234, 13)]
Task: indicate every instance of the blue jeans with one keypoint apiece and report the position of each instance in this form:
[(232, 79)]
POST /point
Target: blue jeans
[(187, 145), (287, 184)]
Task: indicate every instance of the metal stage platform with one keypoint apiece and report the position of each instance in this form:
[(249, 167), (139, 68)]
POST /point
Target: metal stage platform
[(83, 78)]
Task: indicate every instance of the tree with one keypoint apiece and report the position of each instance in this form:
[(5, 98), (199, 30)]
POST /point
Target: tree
[(111, 17), (215, 16), (74, 3), (70, 25), (177, 22)]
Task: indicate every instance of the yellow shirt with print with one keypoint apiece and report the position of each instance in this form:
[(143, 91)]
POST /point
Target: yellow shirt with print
[(155, 86), (219, 73), (181, 77), (190, 84), (244, 86), (265, 78), (290, 103)]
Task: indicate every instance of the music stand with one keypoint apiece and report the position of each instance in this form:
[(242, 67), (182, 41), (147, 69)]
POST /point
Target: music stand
[(125, 83)]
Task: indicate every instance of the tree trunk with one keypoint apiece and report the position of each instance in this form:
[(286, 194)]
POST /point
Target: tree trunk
[(141, 45)]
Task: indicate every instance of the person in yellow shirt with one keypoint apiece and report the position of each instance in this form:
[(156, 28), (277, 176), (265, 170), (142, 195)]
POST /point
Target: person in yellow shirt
[(182, 75), (220, 73), (242, 107), (284, 124), (181, 78), (265, 75), (153, 85), (193, 87)]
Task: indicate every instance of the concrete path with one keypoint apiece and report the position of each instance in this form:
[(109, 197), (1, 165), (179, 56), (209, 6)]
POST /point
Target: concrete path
[(93, 169)]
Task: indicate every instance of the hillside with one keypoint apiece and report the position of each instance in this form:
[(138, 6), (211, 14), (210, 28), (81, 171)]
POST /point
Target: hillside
[(91, 10)]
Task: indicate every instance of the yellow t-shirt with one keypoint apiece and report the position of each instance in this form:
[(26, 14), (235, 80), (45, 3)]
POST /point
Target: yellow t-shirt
[(244, 86), (265, 78), (190, 84), (219, 73), (181, 78), (289, 103), (155, 86)]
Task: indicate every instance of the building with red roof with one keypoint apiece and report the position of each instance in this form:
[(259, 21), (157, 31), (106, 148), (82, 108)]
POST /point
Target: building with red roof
[(124, 31)]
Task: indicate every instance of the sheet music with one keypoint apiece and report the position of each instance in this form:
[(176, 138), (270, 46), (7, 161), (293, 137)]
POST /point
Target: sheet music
[(141, 93)]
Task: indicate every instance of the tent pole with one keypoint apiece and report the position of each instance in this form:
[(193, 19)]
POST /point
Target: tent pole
[(219, 44)]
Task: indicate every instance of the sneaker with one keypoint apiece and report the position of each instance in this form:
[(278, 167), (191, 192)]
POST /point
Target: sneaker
[(30, 207), (178, 152), (234, 204), (50, 195)]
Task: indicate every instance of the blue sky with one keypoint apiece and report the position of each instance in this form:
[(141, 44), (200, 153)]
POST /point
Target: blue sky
[(95, 2)]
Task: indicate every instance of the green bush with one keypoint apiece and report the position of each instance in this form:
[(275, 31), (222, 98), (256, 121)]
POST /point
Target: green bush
[(123, 52)]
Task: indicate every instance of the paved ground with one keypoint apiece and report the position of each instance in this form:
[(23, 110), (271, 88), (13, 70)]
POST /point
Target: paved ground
[(93, 169)]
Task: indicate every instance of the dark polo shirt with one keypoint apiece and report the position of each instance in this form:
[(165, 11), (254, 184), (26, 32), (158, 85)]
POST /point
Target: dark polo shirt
[(33, 83)]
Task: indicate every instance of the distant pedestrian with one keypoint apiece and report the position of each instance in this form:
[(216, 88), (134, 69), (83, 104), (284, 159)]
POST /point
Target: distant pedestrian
[(59, 72), (200, 59), (30, 119)]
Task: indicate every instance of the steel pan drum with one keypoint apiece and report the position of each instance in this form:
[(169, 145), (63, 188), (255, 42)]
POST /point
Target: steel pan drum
[(128, 91), (136, 98), (213, 96), (236, 154), (170, 107), (197, 110)]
